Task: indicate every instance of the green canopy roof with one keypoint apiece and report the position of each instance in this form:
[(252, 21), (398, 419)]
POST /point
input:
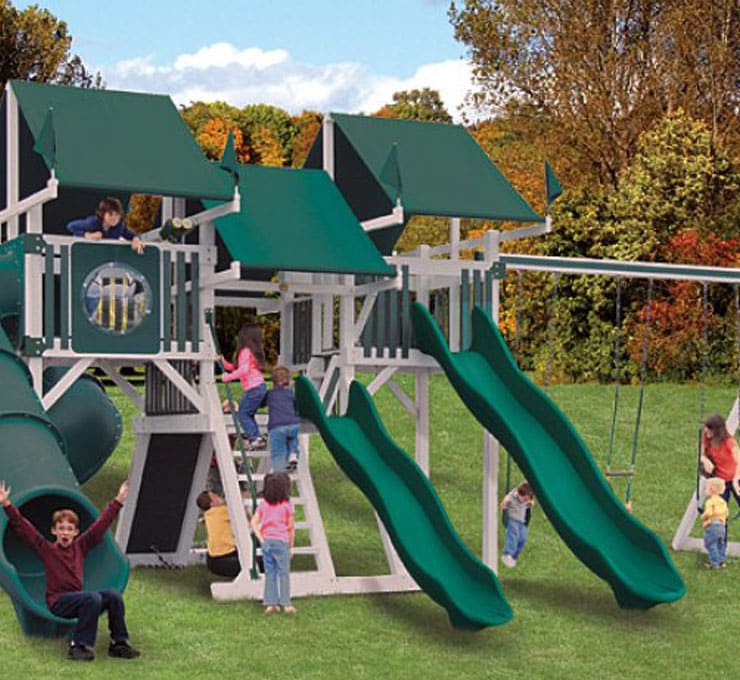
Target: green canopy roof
[(438, 169), (125, 141), (297, 220)]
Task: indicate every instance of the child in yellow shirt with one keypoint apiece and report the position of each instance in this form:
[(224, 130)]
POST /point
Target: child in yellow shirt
[(714, 520)]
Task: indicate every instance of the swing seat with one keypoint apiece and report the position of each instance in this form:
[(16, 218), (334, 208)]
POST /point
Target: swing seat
[(620, 473)]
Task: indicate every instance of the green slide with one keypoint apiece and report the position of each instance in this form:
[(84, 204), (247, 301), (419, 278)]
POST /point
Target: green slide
[(435, 556), (34, 463), (572, 491)]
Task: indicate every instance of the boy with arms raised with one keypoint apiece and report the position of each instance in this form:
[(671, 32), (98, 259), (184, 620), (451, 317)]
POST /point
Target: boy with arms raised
[(62, 561)]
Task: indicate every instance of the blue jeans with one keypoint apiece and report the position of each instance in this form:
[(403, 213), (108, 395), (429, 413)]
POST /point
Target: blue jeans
[(86, 607), (276, 555), (715, 542), (516, 537), (283, 441), (250, 402)]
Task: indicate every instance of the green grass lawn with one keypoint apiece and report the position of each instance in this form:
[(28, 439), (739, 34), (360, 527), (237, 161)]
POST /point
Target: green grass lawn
[(566, 624)]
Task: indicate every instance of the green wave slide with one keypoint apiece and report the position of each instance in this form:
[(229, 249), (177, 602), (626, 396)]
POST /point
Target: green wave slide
[(410, 509), (44, 457), (570, 487)]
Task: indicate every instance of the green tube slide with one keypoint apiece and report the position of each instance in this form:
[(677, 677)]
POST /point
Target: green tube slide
[(410, 509), (34, 463), (557, 463)]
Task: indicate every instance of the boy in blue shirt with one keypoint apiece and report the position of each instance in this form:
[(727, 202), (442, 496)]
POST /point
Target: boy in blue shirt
[(283, 423), (107, 222)]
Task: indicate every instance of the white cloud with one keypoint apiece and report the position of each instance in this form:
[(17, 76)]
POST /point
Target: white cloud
[(223, 55), (223, 72)]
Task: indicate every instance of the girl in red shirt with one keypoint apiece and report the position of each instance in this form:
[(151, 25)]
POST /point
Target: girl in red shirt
[(720, 456)]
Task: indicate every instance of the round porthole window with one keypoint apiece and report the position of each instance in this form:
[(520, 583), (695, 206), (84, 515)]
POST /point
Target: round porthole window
[(116, 298)]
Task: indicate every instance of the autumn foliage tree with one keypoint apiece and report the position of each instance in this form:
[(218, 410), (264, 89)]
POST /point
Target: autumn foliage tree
[(603, 73), (35, 45)]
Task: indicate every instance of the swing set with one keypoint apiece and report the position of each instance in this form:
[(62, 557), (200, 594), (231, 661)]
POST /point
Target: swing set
[(651, 272)]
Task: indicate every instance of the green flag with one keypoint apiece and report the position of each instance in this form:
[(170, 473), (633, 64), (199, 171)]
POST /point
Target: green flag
[(46, 142), (552, 186), (228, 158), (391, 172)]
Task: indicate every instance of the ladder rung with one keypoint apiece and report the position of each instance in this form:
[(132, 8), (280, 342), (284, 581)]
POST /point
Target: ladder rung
[(303, 525), (305, 550), (620, 473), (260, 476), (260, 453)]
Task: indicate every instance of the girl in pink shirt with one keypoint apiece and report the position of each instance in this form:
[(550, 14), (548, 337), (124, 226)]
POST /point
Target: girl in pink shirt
[(273, 525), (250, 362)]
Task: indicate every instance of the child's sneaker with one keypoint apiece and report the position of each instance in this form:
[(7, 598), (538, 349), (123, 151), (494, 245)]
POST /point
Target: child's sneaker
[(258, 444), (292, 462), (123, 650), (289, 610), (80, 653), (508, 561)]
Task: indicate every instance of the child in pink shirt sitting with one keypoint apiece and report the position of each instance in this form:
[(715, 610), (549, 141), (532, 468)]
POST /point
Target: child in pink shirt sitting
[(250, 362), (273, 525)]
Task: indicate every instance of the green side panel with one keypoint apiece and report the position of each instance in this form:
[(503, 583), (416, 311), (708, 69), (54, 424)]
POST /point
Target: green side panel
[(443, 171), (33, 463), (296, 220), (86, 336), (166, 300), (194, 298), (411, 511), (49, 301), (88, 421), (64, 295), (153, 149), (181, 303), (572, 491)]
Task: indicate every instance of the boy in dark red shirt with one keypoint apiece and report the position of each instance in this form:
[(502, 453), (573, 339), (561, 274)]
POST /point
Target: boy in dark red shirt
[(62, 561)]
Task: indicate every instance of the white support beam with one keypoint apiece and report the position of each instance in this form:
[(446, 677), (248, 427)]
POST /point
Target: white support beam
[(421, 422), (12, 162), (454, 289), (392, 219), (221, 279), (491, 448), (402, 397), (35, 200), (327, 146), (188, 391), (54, 394), (379, 380), (367, 308), (524, 232), (124, 385)]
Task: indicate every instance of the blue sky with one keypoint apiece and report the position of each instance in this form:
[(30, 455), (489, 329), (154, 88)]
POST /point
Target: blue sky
[(346, 55)]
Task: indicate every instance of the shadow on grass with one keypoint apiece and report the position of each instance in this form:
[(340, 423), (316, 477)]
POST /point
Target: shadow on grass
[(418, 614), (597, 606)]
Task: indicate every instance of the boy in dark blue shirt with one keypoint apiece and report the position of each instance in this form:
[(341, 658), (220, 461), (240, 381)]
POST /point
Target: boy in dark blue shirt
[(106, 223), (283, 423)]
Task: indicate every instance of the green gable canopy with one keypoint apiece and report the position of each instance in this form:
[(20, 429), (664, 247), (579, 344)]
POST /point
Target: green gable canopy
[(123, 141), (440, 170), (297, 220)]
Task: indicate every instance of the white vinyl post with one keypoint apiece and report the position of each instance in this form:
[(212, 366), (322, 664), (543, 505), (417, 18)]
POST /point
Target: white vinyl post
[(327, 147), (12, 184), (346, 340), (490, 443), (454, 307)]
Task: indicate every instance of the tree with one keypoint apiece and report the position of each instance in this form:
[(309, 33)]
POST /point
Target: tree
[(35, 45), (306, 125), (602, 73), (213, 136), (425, 104)]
